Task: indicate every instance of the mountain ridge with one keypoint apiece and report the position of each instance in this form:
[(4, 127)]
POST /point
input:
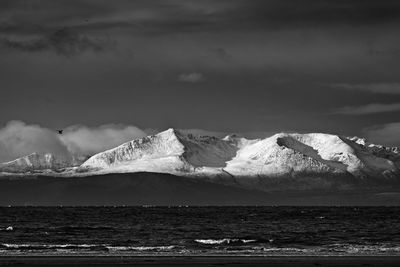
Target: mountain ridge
[(317, 159)]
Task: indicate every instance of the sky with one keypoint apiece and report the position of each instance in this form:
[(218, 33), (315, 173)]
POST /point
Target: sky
[(261, 66)]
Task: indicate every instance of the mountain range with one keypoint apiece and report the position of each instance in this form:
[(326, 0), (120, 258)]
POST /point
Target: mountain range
[(283, 161)]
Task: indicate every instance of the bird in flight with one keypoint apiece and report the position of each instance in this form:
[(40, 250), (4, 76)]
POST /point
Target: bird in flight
[(60, 131)]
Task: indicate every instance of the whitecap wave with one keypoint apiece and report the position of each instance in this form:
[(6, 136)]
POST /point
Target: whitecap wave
[(139, 248), (47, 246), (224, 241), (85, 246)]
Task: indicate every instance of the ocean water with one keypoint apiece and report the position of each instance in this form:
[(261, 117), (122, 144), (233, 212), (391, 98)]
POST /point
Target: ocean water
[(200, 231)]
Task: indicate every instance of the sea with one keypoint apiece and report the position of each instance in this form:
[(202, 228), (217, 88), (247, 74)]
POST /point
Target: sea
[(187, 230)]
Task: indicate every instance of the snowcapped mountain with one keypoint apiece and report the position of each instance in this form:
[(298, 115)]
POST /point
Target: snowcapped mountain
[(169, 152), (284, 154), (282, 161), (252, 163), (35, 162)]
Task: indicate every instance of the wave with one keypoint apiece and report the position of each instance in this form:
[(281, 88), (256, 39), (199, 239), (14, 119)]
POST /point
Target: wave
[(247, 246), (335, 249), (47, 246), (78, 247), (224, 241), (9, 228), (140, 248)]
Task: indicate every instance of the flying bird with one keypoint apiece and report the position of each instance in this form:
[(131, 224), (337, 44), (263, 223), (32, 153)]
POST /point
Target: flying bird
[(60, 131)]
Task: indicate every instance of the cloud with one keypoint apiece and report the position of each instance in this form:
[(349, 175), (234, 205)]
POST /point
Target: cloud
[(63, 42), (222, 54), (18, 139), (193, 77), (387, 134), (367, 109), (379, 88), (210, 15), (83, 140)]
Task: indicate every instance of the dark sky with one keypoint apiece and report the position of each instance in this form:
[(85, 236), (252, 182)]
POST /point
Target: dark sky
[(232, 66)]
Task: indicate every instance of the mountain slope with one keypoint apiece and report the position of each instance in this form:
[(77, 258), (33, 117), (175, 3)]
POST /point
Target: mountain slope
[(314, 160), (35, 162), (284, 154), (168, 152), (283, 161)]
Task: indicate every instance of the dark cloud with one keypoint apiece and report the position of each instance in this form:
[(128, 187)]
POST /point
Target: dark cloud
[(367, 109), (222, 54), (193, 77), (378, 88), (387, 134), (63, 42), (325, 12), (383, 52), (167, 16), (260, 58)]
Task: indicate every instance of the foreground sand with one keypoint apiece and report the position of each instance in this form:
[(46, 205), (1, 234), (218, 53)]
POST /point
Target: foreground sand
[(200, 261)]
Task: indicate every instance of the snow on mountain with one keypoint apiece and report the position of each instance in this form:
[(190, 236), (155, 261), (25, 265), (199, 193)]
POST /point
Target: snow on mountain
[(35, 162), (169, 151), (281, 155), (391, 153), (313, 160), (284, 154)]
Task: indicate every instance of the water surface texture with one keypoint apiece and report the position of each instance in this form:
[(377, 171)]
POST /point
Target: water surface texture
[(200, 230)]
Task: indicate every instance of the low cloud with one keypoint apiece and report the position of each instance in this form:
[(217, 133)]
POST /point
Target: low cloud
[(193, 77), (84, 141), (18, 139), (378, 88), (367, 109), (387, 134), (63, 42)]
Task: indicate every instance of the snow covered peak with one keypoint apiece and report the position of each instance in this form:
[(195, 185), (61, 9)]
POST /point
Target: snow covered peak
[(283, 154), (358, 140), (312, 158), (162, 145), (169, 132), (36, 162), (389, 155), (167, 151)]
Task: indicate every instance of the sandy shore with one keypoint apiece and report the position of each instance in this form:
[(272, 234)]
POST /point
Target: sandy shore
[(200, 261)]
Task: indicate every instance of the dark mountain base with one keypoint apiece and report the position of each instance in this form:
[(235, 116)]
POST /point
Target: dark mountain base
[(165, 189)]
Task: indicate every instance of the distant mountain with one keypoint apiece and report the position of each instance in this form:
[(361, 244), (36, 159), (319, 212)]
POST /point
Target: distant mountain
[(313, 160), (35, 162), (167, 152), (284, 161)]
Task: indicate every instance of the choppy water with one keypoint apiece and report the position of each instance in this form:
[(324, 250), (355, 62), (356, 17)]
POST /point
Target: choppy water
[(200, 230)]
